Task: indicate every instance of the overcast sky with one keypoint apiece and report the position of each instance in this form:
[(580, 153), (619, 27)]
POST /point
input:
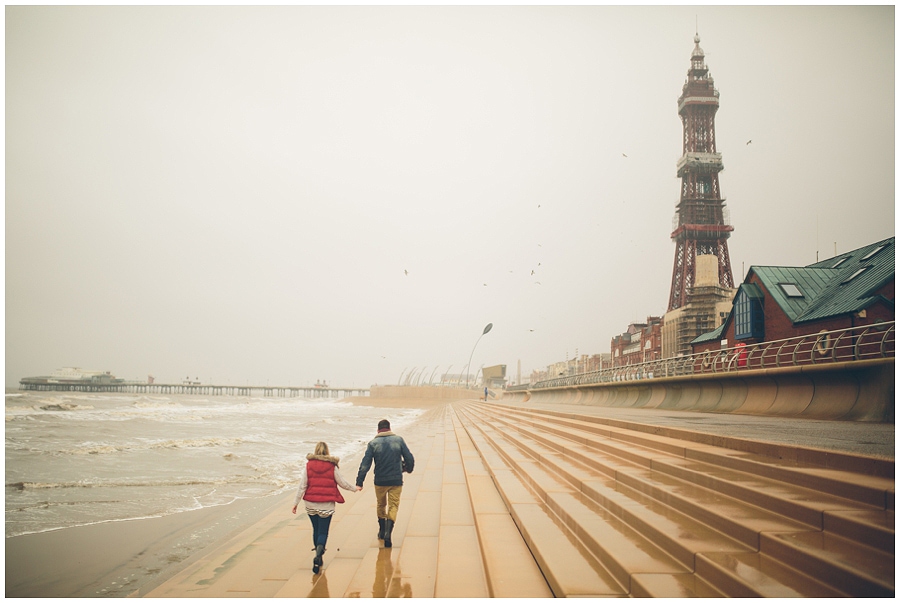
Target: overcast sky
[(286, 194)]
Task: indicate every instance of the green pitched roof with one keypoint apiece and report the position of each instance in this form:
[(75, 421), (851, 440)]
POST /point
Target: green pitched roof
[(711, 336), (840, 285)]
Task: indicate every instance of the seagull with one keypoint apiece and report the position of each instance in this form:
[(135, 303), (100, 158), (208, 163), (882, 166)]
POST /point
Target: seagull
[(537, 283), (406, 272), (485, 284), (624, 155), (532, 273), (749, 141)]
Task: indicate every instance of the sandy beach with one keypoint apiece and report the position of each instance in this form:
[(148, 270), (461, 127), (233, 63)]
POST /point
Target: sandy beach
[(124, 558), (129, 558)]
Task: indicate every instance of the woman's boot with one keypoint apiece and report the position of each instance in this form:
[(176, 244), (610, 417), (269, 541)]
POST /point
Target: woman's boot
[(388, 528), (381, 521), (317, 561)]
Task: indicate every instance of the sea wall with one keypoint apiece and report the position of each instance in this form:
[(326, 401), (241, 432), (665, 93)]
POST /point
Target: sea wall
[(411, 396), (850, 391)]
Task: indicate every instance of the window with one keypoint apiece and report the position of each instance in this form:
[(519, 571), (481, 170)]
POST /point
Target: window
[(839, 262), (748, 315), (855, 274), (873, 252), (790, 289)]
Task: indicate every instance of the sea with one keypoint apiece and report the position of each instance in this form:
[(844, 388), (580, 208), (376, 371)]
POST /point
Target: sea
[(76, 459)]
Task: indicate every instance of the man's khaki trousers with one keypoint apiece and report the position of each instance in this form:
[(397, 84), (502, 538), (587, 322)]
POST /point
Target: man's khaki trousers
[(388, 501)]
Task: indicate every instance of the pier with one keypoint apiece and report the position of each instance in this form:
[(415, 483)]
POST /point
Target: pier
[(265, 391)]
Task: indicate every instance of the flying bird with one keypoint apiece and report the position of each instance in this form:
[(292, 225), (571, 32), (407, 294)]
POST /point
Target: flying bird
[(749, 141), (406, 272), (532, 273), (537, 283), (624, 155)]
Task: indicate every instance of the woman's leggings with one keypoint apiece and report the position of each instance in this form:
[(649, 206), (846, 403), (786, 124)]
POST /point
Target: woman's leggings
[(320, 529)]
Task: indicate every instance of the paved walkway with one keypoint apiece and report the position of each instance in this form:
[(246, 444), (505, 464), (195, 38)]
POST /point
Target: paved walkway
[(870, 439), (455, 535), (436, 549)]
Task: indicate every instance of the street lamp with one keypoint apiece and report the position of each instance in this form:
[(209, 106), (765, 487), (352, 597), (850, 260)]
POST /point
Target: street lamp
[(486, 329)]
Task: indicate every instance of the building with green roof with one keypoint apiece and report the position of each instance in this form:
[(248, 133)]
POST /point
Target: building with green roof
[(779, 302)]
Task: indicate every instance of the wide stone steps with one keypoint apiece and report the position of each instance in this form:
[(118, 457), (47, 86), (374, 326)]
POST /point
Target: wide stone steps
[(691, 518), (513, 502)]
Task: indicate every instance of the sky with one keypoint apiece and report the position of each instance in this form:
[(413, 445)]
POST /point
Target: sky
[(287, 194)]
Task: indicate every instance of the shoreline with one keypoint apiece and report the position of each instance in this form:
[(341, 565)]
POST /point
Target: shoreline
[(123, 558), (131, 557)]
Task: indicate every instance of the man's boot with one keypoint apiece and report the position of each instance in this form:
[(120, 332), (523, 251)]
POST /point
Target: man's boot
[(388, 528), (381, 521)]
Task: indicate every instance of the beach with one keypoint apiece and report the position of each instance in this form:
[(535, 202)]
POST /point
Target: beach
[(128, 557), (125, 558)]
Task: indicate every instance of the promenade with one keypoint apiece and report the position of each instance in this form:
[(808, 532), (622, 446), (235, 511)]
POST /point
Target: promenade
[(542, 500)]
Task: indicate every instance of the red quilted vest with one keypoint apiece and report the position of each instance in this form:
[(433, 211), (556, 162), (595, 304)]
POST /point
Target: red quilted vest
[(321, 486)]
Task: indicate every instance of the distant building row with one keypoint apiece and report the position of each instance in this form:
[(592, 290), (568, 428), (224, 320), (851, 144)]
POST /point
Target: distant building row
[(773, 303)]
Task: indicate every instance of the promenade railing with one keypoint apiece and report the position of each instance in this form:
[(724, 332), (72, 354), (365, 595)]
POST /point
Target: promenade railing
[(843, 345)]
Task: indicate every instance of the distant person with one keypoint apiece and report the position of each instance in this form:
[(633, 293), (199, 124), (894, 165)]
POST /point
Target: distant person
[(392, 458), (319, 488), (485, 394)]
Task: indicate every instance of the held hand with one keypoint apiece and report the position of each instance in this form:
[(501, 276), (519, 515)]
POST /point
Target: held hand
[(294, 510), (359, 488)]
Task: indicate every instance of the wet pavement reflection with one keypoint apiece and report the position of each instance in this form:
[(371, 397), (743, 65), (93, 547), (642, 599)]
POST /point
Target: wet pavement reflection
[(387, 582)]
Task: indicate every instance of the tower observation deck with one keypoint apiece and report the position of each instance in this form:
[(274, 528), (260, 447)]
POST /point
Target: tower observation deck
[(701, 226)]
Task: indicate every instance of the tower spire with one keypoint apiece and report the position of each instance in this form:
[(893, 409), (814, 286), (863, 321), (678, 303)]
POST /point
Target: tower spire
[(702, 229)]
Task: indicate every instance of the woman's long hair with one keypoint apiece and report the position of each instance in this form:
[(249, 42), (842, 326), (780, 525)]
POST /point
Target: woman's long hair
[(322, 449)]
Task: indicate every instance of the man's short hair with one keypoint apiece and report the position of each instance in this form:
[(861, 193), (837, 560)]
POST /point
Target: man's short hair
[(384, 424)]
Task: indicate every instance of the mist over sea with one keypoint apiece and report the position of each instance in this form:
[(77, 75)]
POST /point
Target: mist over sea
[(81, 458)]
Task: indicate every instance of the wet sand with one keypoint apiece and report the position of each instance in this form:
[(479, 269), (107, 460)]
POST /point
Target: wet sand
[(122, 558)]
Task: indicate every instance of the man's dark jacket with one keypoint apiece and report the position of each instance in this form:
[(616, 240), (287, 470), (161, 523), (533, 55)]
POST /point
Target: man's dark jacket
[(392, 458)]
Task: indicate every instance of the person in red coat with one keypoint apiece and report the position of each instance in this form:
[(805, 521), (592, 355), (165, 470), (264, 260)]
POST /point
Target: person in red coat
[(319, 488)]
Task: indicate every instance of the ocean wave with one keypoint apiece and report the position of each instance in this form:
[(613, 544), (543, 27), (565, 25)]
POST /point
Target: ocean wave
[(155, 403), (272, 481), (65, 406), (96, 448)]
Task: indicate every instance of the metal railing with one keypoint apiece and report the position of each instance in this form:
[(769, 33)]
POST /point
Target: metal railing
[(844, 345)]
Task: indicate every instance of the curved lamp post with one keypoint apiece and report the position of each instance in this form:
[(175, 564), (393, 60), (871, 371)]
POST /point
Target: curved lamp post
[(486, 329)]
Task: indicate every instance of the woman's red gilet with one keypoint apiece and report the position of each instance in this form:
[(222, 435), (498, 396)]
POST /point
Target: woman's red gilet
[(321, 486)]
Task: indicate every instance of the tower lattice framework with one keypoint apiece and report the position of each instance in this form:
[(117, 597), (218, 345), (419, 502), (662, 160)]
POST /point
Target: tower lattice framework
[(702, 227)]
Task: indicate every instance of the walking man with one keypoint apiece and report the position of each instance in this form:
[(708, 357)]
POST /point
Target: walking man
[(392, 458)]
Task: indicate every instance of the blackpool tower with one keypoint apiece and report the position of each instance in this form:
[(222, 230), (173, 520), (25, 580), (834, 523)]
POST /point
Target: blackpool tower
[(702, 228)]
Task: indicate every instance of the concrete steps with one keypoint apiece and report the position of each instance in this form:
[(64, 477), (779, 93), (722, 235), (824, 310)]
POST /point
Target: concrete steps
[(512, 502), (718, 519)]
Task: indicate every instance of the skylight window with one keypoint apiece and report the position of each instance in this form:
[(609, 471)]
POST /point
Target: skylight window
[(790, 289), (873, 252), (840, 261), (854, 275)]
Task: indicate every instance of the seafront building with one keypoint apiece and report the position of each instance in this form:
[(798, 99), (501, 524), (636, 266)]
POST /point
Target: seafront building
[(852, 290), (74, 376)]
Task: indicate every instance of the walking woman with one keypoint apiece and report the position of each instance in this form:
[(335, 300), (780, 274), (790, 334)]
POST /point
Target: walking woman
[(319, 488)]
